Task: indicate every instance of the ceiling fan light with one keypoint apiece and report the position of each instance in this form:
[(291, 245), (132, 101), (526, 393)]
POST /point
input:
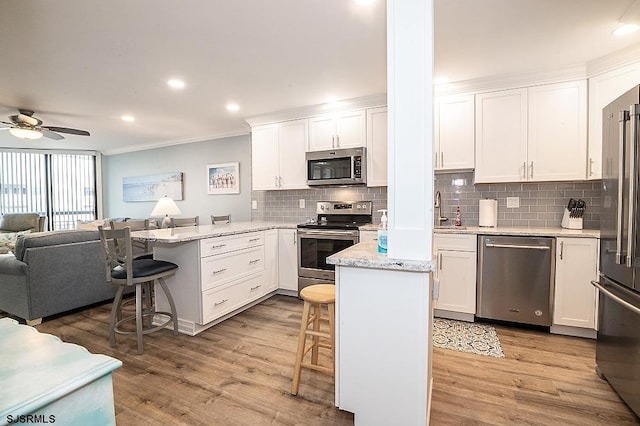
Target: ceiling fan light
[(23, 133)]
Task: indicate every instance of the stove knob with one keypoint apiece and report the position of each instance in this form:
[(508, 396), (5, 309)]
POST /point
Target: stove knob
[(321, 206)]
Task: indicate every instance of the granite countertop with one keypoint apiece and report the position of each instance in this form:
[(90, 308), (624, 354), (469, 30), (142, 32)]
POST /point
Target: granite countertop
[(508, 230), (191, 233), (365, 255)]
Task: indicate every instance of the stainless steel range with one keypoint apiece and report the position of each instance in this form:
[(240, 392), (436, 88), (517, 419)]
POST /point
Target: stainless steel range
[(335, 229)]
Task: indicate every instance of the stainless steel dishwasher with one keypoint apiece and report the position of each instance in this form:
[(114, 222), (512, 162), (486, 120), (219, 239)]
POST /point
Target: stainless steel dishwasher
[(516, 279)]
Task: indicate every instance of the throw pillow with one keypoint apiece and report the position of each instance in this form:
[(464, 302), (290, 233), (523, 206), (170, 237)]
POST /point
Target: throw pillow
[(8, 240)]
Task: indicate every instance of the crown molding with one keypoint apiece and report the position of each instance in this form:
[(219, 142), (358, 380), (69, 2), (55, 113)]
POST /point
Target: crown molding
[(313, 110), (613, 60)]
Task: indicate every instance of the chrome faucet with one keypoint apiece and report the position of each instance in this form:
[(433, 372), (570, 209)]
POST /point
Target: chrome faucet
[(437, 205)]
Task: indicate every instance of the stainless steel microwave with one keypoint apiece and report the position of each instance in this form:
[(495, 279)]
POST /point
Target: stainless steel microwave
[(337, 167)]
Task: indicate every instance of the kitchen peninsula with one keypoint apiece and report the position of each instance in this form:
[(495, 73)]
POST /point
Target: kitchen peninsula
[(383, 318), (223, 269)]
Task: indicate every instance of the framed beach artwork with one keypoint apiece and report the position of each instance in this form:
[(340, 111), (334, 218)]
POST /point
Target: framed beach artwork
[(152, 187), (223, 178)]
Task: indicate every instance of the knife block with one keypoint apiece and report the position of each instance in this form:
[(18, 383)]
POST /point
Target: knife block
[(569, 222)]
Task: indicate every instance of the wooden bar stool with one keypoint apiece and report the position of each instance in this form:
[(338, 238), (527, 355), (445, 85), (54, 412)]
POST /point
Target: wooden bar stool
[(314, 297)]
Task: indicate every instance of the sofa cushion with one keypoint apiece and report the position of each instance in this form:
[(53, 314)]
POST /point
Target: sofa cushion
[(14, 222), (42, 239)]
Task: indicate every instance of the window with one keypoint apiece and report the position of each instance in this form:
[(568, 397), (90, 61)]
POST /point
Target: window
[(61, 186)]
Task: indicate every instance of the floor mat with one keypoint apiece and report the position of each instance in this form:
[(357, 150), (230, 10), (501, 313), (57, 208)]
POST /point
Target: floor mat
[(469, 337)]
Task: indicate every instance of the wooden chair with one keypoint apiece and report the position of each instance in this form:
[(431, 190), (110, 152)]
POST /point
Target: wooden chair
[(126, 271), (314, 297), (177, 222), (220, 219)]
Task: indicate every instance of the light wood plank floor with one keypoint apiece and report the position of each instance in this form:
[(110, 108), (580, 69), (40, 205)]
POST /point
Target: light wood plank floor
[(239, 373)]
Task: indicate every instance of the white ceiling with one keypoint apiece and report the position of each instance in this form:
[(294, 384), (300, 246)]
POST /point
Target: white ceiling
[(83, 64)]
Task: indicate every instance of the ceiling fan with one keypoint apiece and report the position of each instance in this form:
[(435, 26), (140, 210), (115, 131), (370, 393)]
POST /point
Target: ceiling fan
[(25, 126)]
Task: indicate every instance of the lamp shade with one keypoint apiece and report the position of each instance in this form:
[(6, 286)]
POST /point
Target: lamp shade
[(165, 207)]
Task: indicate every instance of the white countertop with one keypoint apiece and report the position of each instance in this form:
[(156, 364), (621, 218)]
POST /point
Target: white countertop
[(191, 233), (508, 230), (365, 255)]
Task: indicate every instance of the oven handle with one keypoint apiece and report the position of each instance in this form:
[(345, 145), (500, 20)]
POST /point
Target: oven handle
[(305, 233), (615, 298)]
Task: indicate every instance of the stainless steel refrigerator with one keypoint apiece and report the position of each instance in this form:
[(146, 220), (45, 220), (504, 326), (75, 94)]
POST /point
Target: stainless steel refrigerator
[(618, 344)]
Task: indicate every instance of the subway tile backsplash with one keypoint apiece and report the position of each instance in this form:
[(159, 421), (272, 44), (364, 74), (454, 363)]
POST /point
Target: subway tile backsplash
[(541, 204)]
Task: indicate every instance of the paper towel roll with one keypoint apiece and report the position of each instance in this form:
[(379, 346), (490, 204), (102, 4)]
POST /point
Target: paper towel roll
[(488, 215)]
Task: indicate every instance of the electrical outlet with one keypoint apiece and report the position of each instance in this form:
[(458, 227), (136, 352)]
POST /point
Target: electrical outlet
[(302, 203), (513, 202), (254, 204)]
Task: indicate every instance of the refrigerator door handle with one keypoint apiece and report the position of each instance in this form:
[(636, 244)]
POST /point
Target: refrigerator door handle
[(615, 298), (622, 120), (634, 114)]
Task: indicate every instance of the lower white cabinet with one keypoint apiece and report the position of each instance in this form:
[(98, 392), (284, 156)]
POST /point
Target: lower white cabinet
[(575, 298), (456, 274), (271, 259), (287, 259), (368, 235)]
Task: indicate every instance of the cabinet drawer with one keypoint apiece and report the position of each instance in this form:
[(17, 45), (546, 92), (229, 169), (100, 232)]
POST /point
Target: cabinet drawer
[(223, 268), (218, 245), (460, 242), (220, 301)]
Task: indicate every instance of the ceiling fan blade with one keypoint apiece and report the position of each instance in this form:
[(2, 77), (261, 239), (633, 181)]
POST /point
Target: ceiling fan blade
[(51, 135), (67, 130)]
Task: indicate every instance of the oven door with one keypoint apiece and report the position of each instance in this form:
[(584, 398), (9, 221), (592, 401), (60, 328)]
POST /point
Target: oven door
[(314, 246)]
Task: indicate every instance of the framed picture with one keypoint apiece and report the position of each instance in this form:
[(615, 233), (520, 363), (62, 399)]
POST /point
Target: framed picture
[(223, 178), (152, 187)]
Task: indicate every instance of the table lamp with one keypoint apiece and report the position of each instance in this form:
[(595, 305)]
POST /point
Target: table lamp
[(165, 207)]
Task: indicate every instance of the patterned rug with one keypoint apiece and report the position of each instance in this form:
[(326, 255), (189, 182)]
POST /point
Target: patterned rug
[(466, 337)]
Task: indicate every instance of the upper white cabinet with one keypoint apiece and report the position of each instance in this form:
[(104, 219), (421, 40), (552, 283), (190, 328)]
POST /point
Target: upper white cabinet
[(454, 144), (603, 89), (532, 134), (575, 297), (278, 155), (344, 129), (377, 146)]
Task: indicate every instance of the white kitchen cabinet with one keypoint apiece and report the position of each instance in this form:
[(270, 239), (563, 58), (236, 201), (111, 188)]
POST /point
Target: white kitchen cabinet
[(368, 235), (278, 155), (456, 274), (377, 146), (575, 298), (532, 134), (603, 89), (288, 259), (271, 259), (344, 129), (454, 146)]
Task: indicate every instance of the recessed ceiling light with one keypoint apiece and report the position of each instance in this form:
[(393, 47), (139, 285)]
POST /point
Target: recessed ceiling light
[(128, 118), (174, 83), (231, 107), (625, 29)]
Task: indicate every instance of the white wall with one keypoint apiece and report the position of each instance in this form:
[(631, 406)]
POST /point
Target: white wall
[(190, 159)]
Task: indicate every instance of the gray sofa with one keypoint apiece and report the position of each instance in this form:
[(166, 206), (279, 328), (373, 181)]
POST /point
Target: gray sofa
[(53, 272)]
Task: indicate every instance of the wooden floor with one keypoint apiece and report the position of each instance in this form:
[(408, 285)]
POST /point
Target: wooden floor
[(239, 373)]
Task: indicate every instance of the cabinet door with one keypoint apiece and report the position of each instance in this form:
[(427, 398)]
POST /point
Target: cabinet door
[(322, 132), (264, 157), (351, 129), (377, 147), (501, 136), (287, 259), (603, 89), (457, 275), (575, 297), (294, 140), (456, 133), (368, 236), (270, 260), (557, 132)]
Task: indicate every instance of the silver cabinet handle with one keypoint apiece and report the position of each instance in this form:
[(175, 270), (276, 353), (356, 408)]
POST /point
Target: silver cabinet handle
[(633, 189), (524, 171), (280, 181), (531, 174), (295, 238), (436, 159), (622, 119), (561, 249), (220, 302), (623, 302), (254, 239), (333, 141), (337, 141), (255, 288), (590, 166), (213, 246), (251, 262), (219, 271), (276, 182), (442, 159), (440, 261), (516, 246)]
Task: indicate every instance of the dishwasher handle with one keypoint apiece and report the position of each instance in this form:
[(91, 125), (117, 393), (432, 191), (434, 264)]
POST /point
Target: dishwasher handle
[(517, 246)]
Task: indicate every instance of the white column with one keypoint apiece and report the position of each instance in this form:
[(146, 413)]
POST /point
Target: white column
[(410, 134)]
